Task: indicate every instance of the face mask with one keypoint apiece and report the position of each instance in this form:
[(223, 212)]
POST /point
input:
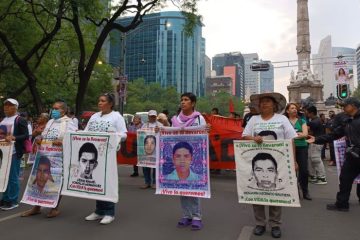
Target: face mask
[(55, 114)]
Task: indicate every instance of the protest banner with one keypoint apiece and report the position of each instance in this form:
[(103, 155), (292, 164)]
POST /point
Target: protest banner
[(146, 145), (32, 154), (221, 148), (265, 173), (6, 151), (340, 148), (4, 131), (90, 169), (45, 180), (222, 134), (183, 162)]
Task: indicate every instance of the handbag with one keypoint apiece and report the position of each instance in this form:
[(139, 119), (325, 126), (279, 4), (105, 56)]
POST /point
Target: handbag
[(27, 147)]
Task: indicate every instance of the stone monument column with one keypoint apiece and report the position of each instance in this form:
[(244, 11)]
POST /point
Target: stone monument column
[(304, 86)]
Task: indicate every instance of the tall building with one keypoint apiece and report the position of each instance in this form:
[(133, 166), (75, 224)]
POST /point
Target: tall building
[(267, 79), (161, 54), (218, 84), (252, 78), (358, 65), (323, 65), (231, 64), (207, 66)]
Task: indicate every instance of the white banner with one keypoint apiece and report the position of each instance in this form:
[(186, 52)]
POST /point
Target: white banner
[(265, 173), (183, 162), (6, 150), (146, 148), (44, 183), (90, 168), (340, 148)]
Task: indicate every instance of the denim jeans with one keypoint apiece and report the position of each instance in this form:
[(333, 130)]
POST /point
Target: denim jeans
[(105, 208), (191, 207), (12, 191), (147, 175)]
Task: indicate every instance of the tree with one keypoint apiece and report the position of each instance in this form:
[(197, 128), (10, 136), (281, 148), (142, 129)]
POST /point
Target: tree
[(90, 21), (221, 101), (15, 17), (145, 97), (92, 11)]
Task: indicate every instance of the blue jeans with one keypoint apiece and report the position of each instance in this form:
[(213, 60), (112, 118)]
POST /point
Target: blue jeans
[(147, 175), (12, 191), (105, 208), (191, 207)]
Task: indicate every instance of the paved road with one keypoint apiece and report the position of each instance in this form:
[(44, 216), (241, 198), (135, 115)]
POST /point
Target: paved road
[(140, 214)]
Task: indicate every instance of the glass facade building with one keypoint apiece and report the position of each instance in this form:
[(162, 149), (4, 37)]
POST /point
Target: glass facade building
[(220, 61), (267, 79), (358, 64), (160, 53)]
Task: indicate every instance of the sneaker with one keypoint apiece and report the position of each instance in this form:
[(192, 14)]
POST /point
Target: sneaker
[(312, 179), (276, 232), (8, 206), (107, 219), (334, 207), (93, 217), (2, 203), (259, 230), (146, 186), (321, 181)]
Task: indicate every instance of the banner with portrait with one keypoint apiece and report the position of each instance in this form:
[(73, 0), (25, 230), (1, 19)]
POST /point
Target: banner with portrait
[(343, 72), (146, 148), (6, 151), (32, 154), (90, 169), (45, 180), (183, 162), (4, 131), (265, 173), (221, 148), (340, 148)]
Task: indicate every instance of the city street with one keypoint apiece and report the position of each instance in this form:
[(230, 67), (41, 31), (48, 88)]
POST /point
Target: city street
[(140, 214)]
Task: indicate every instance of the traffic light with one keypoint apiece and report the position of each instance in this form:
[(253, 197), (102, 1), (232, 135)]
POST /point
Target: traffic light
[(343, 91)]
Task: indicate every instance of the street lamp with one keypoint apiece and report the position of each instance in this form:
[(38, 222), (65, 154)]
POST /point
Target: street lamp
[(123, 80)]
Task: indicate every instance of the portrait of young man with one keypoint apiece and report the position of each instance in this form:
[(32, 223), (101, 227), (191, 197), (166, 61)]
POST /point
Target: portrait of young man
[(88, 155)]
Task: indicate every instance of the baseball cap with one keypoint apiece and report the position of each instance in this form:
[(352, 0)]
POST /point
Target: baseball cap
[(152, 113), (12, 101)]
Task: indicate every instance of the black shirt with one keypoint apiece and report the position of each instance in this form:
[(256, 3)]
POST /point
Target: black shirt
[(316, 127)]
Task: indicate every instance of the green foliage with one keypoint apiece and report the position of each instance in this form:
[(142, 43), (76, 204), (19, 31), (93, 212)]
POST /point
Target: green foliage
[(356, 93), (144, 97), (220, 101)]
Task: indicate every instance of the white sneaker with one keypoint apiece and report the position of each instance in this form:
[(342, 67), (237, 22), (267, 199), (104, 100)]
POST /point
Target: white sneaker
[(93, 217), (107, 219)]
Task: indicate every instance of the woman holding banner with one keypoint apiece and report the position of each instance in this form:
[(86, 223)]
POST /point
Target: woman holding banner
[(189, 117), (54, 132), (270, 121), (106, 120), (301, 146)]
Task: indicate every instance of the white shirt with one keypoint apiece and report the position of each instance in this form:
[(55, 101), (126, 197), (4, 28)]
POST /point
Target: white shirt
[(111, 122), (9, 123), (278, 127), (152, 125), (55, 129)]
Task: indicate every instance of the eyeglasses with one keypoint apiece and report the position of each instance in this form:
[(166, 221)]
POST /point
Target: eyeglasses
[(110, 96)]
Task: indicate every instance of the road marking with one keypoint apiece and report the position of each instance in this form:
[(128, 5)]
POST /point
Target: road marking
[(246, 233), (10, 217)]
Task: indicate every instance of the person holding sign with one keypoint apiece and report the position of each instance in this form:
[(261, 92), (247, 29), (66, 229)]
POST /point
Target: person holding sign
[(18, 133), (106, 120), (278, 126), (54, 132), (182, 156), (149, 147)]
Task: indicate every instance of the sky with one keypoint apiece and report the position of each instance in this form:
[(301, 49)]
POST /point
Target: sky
[(268, 27)]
